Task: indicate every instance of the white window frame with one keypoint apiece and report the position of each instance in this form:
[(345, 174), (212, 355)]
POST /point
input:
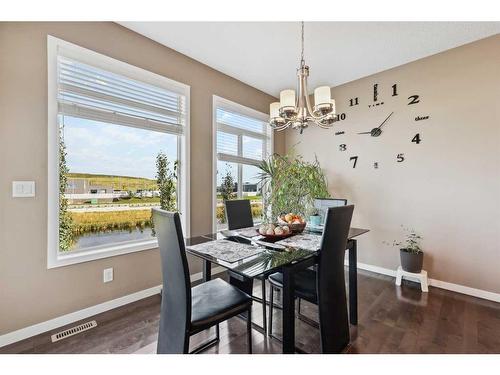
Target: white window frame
[(219, 102), (54, 256)]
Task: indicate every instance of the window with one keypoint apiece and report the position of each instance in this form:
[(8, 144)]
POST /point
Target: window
[(242, 140), (109, 123)]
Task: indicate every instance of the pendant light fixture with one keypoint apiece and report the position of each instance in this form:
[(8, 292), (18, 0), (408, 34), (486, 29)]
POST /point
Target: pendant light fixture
[(295, 111)]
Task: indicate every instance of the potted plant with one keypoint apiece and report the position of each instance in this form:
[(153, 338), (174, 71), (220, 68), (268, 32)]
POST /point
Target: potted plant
[(290, 184), (315, 218), (412, 256)]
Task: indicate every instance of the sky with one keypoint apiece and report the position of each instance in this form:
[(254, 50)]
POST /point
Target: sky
[(101, 148)]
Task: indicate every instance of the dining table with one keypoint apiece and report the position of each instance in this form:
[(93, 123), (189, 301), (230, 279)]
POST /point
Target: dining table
[(247, 255)]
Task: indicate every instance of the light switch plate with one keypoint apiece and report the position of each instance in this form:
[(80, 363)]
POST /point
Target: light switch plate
[(107, 275), (23, 189)]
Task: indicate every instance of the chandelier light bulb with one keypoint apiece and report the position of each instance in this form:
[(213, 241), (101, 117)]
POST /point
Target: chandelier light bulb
[(274, 109), (322, 96), (287, 98)]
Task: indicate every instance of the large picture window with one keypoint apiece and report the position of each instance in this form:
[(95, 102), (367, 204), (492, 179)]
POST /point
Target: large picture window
[(242, 140), (114, 129)]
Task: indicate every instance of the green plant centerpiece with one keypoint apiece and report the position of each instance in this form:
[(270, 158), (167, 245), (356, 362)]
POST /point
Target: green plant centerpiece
[(412, 256), (290, 184)]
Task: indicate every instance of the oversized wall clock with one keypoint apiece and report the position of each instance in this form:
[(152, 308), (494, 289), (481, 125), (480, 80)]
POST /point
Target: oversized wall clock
[(382, 98)]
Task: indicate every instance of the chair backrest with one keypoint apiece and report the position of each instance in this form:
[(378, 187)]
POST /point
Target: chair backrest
[(238, 214), (175, 315), (332, 301), (323, 204)]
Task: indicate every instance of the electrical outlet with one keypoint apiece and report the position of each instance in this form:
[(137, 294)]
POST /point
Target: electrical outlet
[(107, 275)]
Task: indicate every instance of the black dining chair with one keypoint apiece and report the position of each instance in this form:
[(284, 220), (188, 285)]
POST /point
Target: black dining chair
[(321, 204), (186, 311), (326, 286), (239, 215)]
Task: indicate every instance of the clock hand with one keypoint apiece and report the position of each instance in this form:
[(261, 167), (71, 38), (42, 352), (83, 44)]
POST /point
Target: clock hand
[(385, 120), (375, 132)]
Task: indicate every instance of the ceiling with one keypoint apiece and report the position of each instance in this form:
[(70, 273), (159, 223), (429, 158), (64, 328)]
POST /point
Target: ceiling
[(265, 55)]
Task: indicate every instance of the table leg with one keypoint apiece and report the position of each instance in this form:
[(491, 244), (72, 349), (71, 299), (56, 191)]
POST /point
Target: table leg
[(288, 311), (207, 270), (353, 282)]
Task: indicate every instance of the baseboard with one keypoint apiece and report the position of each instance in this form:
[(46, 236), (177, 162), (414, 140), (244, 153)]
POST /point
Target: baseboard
[(376, 269), (36, 329), (479, 293)]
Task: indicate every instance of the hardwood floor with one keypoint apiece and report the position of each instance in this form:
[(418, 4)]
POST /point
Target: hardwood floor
[(391, 320)]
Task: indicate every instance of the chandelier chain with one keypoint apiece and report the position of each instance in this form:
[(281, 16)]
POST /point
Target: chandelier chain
[(302, 62)]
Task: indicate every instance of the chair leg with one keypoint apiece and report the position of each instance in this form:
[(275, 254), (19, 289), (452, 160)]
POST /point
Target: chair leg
[(207, 344), (304, 318), (264, 315), (249, 330), (271, 309)]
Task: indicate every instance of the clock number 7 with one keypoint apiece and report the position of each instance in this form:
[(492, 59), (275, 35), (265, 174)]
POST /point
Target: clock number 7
[(355, 158)]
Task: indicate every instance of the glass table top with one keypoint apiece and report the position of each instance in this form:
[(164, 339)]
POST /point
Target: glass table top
[(268, 257)]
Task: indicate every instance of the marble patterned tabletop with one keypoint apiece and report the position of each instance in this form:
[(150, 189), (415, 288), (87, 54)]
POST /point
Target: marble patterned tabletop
[(228, 251), (306, 241)]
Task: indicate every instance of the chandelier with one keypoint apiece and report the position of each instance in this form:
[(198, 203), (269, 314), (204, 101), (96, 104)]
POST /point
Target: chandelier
[(296, 112)]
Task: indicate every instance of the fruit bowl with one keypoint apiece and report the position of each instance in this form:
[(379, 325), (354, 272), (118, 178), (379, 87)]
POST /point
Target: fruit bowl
[(295, 222), (275, 236), (274, 231), (297, 228)]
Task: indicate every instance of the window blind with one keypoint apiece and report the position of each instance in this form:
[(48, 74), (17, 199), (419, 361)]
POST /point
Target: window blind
[(237, 120), (240, 138), (89, 92)]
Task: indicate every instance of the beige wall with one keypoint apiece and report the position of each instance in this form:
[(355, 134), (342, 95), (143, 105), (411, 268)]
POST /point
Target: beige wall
[(29, 293), (448, 188)]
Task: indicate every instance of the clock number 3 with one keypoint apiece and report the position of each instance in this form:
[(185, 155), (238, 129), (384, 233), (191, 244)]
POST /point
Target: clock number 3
[(355, 158), (342, 147)]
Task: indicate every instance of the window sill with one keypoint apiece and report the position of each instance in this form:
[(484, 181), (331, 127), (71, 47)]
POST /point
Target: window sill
[(61, 259)]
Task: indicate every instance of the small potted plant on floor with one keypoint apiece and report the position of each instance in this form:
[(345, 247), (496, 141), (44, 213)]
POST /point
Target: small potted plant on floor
[(412, 256)]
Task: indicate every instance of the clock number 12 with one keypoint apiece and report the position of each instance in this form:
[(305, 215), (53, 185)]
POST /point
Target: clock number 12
[(355, 158)]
